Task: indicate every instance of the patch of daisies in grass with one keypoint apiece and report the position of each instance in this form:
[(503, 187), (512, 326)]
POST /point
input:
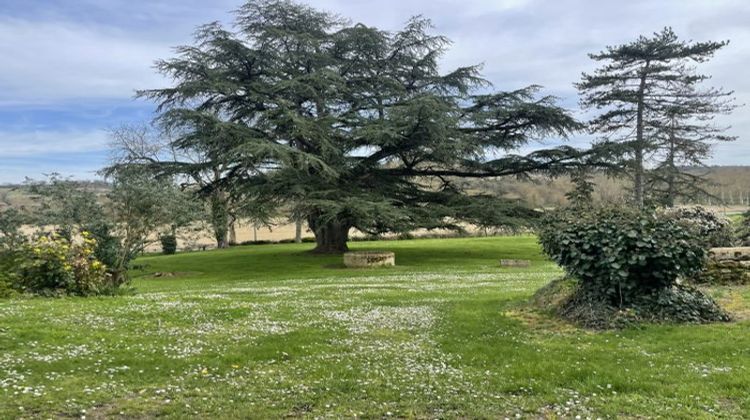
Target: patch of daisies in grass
[(391, 347), (411, 364), (414, 281)]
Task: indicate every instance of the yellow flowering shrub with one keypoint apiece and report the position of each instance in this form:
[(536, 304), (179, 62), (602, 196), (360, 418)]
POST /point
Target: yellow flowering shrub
[(52, 265)]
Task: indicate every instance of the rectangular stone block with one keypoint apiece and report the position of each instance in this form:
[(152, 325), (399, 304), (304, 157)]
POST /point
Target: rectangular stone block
[(515, 263)]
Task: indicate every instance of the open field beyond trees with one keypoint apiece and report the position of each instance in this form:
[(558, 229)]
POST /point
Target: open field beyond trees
[(271, 331)]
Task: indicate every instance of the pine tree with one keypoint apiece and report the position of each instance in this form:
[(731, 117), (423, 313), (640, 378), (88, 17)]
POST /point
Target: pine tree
[(582, 194), (352, 126), (684, 138), (632, 88)]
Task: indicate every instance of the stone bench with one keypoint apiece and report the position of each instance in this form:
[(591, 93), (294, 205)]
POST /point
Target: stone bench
[(362, 259)]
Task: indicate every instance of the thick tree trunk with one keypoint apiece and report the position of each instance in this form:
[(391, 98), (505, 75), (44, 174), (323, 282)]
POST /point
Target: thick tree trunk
[(220, 219), (298, 231), (232, 233), (221, 239), (330, 237)]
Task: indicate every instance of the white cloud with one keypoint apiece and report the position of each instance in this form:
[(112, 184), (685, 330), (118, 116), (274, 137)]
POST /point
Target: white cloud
[(65, 57), (48, 61)]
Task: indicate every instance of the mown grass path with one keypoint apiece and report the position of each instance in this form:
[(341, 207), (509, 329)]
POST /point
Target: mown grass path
[(269, 331)]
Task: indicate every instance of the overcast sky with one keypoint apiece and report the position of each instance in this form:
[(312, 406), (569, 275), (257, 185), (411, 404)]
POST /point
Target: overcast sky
[(69, 67)]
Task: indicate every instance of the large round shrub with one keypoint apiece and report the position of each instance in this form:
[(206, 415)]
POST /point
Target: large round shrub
[(620, 254)]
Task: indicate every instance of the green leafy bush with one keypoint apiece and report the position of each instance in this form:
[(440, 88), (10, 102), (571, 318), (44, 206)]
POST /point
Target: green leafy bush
[(567, 299), (11, 236), (259, 242), (743, 230), (108, 248), (619, 254), (710, 229), (680, 303), (168, 244), (11, 239), (51, 265), (7, 262)]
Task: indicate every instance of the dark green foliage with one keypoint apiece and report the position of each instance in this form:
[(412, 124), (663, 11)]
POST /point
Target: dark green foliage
[(709, 228), (627, 263), (168, 244), (621, 254), (6, 290), (743, 230), (582, 194), (7, 264), (11, 221), (259, 242), (680, 303), (570, 300), (351, 126), (107, 243), (11, 239)]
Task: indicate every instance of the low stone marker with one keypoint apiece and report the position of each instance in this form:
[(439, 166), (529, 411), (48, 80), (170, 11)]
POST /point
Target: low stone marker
[(515, 263), (363, 259)]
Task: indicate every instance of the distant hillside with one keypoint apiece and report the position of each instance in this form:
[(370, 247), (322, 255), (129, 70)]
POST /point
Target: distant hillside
[(18, 196)]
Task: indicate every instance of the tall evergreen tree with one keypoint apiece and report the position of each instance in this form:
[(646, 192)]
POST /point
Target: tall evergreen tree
[(684, 137), (582, 194), (353, 126), (638, 86)]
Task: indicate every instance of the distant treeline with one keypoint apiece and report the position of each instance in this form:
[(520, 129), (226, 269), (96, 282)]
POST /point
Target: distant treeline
[(727, 185)]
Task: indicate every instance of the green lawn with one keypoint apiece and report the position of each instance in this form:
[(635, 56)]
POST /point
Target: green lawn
[(270, 331)]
